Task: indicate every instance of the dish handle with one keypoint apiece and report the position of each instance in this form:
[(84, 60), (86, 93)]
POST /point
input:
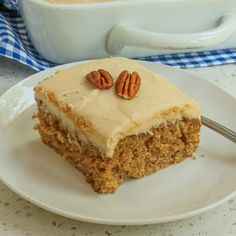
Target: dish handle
[(125, 35)]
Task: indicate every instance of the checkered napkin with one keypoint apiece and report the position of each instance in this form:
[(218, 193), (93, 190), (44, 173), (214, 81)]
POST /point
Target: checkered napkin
[(15, 44)]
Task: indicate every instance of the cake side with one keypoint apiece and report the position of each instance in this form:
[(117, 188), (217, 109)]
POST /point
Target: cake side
[(135, 156), (106, 118)]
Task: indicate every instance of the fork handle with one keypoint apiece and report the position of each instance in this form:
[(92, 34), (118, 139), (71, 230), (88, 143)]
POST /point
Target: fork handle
[(227, 133)]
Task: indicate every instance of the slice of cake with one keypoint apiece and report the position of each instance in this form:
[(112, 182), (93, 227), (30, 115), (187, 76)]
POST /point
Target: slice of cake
[(114, 130)]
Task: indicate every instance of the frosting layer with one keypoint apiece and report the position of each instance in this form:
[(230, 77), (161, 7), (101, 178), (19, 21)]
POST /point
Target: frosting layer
[(110, 117)]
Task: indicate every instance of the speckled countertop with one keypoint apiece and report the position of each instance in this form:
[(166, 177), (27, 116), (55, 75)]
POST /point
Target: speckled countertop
[(20, 218)]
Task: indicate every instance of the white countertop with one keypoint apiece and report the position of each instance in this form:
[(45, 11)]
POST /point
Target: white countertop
[(20, 218)]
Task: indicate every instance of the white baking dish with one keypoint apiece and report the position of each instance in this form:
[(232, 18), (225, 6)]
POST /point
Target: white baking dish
[(69, 32)]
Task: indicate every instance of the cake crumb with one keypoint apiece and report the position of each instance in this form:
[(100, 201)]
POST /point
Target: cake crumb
[(108, 180)]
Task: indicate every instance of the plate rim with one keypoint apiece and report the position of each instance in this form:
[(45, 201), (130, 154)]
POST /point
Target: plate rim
[(109, 221)]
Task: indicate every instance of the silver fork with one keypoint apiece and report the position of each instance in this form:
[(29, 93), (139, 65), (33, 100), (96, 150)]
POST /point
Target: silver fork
[(228, 133)]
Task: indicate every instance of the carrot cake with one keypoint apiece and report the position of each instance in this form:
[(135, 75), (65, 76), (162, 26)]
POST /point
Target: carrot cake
[(114, 119)]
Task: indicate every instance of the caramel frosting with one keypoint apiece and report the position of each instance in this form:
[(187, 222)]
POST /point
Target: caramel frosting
[(110, 117)]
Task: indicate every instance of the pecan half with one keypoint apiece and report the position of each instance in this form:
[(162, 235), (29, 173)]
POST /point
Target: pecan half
[(127, 84), (101, 79)]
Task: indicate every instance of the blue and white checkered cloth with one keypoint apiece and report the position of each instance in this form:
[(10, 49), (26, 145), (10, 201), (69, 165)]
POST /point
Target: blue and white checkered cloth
[(15, 44)]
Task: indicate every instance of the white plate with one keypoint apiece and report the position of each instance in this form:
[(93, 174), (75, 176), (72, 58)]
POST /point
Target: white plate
[(37, 173)]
